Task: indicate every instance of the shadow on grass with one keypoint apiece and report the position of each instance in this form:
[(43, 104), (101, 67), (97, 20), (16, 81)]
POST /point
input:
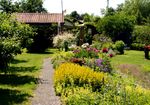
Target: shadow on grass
[(14, 69), (10, 97), (42, 53), (15, 80), (48, 51)]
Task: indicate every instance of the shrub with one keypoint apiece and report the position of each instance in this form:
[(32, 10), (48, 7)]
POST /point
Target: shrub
[(13, 37), (60, 58), (69, 74), (137, 46), (64, 40), (97, 45), (100, 64), (118, 27), (119, 46)]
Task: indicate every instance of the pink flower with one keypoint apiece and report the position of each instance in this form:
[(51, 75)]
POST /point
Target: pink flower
[(88, 49)]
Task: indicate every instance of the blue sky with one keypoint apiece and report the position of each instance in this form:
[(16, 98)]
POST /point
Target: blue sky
[(81, 6)]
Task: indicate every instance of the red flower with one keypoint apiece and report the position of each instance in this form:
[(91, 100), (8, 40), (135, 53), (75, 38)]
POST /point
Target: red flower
[(110, 55), (104, 50)]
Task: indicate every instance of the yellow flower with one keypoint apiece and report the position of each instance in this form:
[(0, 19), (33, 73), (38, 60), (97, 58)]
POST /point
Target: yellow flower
[(73, 74)]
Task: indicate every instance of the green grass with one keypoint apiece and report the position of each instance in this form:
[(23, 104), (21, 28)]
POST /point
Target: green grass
[(133, 63), (17, 86)]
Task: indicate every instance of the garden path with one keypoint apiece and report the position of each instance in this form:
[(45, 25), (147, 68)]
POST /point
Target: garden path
[(45, 93)]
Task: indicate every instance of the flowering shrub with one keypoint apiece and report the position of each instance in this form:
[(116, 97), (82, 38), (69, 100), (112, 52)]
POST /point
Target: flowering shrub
[(88, 52), (102, 65), (59, 41), (69, 74)]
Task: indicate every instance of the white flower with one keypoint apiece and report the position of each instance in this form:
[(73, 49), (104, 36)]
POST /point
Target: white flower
[(85, 45), (59, 40), (72, 46)]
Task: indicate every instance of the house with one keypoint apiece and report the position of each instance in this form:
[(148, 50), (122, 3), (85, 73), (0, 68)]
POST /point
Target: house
[(41, 18)]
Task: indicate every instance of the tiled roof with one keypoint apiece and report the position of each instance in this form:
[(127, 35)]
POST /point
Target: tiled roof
[(40, 17)]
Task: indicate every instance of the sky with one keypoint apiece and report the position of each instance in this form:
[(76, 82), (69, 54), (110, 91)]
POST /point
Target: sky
[(81, 6)]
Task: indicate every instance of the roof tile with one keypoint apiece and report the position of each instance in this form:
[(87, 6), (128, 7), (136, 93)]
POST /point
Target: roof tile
[(40, 17)]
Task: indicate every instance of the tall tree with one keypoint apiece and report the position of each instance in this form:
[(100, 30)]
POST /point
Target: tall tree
[(6, 6), (31, 6), (139, 8)]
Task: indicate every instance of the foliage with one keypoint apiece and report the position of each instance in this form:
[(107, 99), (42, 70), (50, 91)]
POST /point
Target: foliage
[(139, 8), (112, 94), (61, 57), (137, 46), (80, 96), (6, 5), (43, 38), (75, 16), (60, 40), (87, 52), (141, 34), (13, 37), (101, 41), (119, 46), (70, 83), (118, 27), (108, 12), (100, 65), (69, 74), (121, 91), (30, 6), (96, 45)]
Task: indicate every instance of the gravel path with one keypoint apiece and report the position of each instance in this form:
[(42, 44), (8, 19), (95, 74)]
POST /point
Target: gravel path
[(45, 94)]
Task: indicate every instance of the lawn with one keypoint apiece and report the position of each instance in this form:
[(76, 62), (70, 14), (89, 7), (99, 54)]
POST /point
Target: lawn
[(133, 64), (17, 86)]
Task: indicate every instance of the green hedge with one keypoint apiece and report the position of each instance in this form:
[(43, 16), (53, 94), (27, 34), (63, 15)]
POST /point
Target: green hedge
[(141, 34)]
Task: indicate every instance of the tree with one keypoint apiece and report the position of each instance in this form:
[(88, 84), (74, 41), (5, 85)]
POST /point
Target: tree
[(13, 37), (6, 6), (30, 6), (118, 27), (138, 8), (75, 16)]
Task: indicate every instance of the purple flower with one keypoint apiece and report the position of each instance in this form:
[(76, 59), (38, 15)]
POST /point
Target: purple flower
[(98, 62)]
